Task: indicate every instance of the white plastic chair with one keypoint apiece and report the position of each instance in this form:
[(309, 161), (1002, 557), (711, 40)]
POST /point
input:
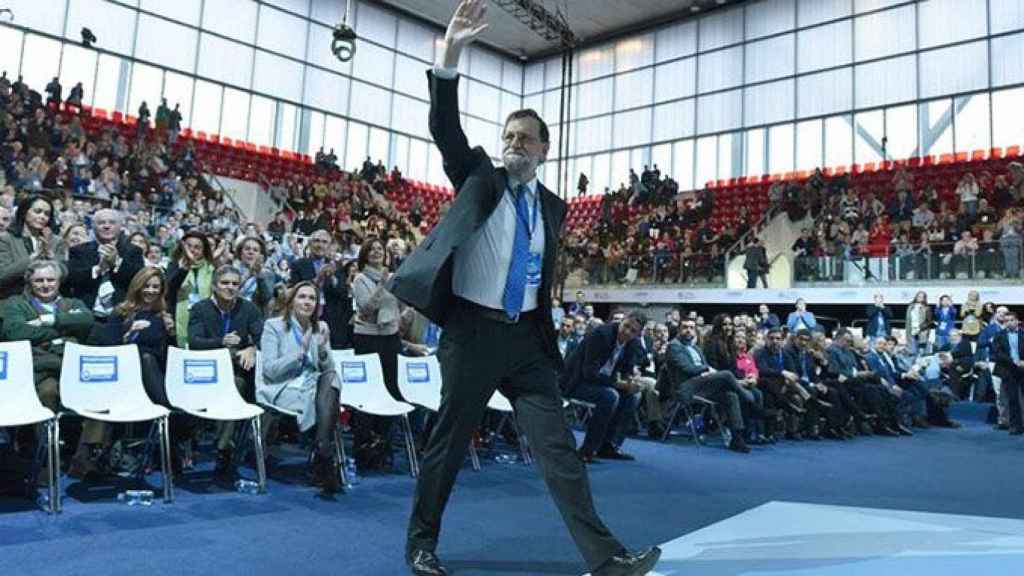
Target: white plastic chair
[(21, 407), (105, 383), (502, 404), (363, 389), (419, 381), (339, 447), (201, 383)]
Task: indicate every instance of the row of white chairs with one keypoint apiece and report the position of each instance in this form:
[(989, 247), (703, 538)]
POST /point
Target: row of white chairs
[(105, 384)]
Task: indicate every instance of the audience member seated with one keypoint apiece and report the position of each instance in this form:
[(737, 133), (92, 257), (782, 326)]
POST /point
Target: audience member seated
[(227, 321), (299, 374), (778, 377), (847, 367), (747, 375), (257, 277), (601, 371), (32, 236), (189, 279)]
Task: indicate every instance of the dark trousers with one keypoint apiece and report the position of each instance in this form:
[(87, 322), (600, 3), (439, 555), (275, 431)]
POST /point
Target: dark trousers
[(1011, 388), (872, 395), (721, 387), (753, 275), (372, 434), (613, 412), (478, 355)]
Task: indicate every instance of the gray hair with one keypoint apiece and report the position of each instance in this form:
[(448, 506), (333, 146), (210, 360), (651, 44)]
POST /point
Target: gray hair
[(117, 214), (224, 270), (37, 265)]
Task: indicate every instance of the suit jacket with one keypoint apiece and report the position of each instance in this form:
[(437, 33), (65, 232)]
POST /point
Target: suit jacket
[(770, 365), (206, 325), (680, 365), (874, 314), (771, 321), (808, 318), (424, 280), (337, 301), (1005, 368), (72, 323), (80, 283), (756, 258), (877, 364), (15, 255), (583, 365)]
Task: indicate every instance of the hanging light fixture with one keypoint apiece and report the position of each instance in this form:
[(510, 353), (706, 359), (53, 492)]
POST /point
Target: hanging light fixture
[(344, 44)]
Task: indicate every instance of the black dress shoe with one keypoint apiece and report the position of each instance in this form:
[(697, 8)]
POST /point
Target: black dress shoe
[(630, 564), (1016, 431), (1002, 426), (947, 423), (609, 452), (425, 563), (225, 469), (655, 430), (795, 436), (737, 444), (325, 474)]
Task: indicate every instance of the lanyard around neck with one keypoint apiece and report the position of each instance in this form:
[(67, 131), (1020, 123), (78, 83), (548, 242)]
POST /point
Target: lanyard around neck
[(530, 227)]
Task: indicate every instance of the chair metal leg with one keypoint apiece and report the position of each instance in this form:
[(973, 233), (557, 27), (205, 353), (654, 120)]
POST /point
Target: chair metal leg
[(55, 502), (50, 481), (473, 456), (524, 446), (410, 447), (261, 466), (168, 472), (339, 457), (672, 414)]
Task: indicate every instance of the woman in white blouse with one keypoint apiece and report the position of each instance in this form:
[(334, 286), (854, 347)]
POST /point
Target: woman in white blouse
[(919, 323)]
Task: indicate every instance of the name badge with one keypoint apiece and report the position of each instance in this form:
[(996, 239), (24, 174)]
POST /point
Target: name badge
[(193, 299), (97, 369), (942, 326), (417, 373), (533, 270), (3, 366), (353, 372)]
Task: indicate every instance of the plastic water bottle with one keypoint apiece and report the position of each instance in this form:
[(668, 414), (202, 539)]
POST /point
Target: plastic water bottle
[(244, 486), (351, 473), (136, 497), (43, 500), (506, 459)]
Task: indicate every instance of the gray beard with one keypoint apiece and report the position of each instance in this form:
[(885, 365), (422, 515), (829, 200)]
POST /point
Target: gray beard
[(521, 168)]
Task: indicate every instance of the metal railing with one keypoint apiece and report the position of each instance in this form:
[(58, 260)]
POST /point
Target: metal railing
[(650, 269)]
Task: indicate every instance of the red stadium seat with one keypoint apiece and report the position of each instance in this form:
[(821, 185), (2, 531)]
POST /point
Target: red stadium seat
[(1012, 151)]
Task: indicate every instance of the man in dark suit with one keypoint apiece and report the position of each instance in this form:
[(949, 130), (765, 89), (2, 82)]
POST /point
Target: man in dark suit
[(601, 371), (755, 262), (226, 321), (100, 271), (1008, 356), (322, 270), (766, 319), (879, 319), (493, 297)]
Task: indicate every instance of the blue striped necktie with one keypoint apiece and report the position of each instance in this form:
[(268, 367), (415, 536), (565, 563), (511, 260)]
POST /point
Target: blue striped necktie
[(515, 284)]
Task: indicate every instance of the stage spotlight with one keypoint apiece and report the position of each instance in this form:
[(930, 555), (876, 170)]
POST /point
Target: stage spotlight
[(344, 44), (88, 38)]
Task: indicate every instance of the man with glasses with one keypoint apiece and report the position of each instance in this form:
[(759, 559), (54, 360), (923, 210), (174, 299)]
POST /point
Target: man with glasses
[(318, 267), (690, 375)]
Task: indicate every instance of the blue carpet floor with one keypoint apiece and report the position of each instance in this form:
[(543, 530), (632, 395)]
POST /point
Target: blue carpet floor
[(500, 521)]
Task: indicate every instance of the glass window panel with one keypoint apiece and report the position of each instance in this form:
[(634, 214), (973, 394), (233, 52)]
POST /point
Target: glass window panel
[(972, 123), (262, 115), (370, 104), (682, 164), (780, 149), (166, 43), (600, 169), (206, 107), (867, 146), (769, 17), (509, 104), (410, 77), (277, 76), (1008, 122), (768, 103), (380, 143), (884, 33), (771, 58), (673, 120), (901, 131), (486, 66), (825, 92), (319, 40), (808, 145), (886, 82), (356, 152), (661, 159), (227, 61), (484, 101), (10, 55), (512, 76), (300, 7), (435, 168), (327, 91), (633, 89), (728, 158), (676, 40), (535, 102), (754, 150), (721, 69), (955, 69), (113, 25), (812, 12), (186, 11), (415, 39), (399, 152), (111, 78), (594, 98), (375, 24), (374, 64), (721, 28), (861, 6), (410, 116), (949, 21), (46, 15), (232, 18), (418, 152), (316, 133), (594, 62), (534, 77), (335, 137), (552, 106), (147, 85), (632, 128), (330, 12), (707, 161), (178, 90), (824, 46), (634, 52), (282, 33), (620, 169), (235, 114), (77, 65), (1006, 15), (1007, 64), (838, 141), (287, 121), (594, 134), (675, 80), (719, 112), (936, 126)]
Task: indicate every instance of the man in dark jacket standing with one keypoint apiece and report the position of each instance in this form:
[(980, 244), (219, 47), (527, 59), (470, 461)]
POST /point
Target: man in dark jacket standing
[(100, 271), (755, 262), (1008, 356), (485, 274)]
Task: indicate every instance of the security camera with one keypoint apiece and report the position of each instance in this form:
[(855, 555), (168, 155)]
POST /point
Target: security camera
[(344, 44)]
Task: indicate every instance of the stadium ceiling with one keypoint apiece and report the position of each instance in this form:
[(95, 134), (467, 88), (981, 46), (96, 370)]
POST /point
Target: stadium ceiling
[(591, 20)]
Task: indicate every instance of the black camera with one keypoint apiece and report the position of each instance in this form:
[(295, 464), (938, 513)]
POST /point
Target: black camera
[(344, 43), (88, 38)]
